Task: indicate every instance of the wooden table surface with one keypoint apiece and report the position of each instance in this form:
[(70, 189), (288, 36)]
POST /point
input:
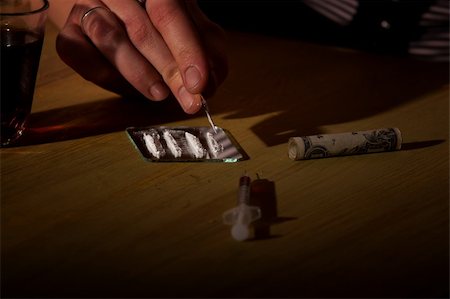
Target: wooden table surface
[(83, 215)]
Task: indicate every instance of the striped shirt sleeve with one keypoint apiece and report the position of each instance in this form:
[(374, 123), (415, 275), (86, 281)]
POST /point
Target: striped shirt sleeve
[(433, 44)]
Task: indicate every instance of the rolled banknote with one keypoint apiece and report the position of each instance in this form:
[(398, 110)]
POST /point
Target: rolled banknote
[(343, 144)]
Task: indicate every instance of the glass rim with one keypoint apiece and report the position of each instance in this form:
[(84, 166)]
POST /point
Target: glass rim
[(44, 7)]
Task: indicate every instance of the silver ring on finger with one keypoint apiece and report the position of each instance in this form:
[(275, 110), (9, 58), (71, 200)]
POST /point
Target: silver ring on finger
[(142, 2), (89, 12)]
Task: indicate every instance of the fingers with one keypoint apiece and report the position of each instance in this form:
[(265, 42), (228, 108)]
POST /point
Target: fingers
[(119, 45), (213, 37), (176, 61), (171, 19), (107, 34), (71, 45)]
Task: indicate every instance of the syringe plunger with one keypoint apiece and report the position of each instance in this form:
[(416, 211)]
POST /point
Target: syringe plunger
[(241, 216)]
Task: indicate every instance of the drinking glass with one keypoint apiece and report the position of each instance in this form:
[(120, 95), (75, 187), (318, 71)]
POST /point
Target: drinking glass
[(22, 25)]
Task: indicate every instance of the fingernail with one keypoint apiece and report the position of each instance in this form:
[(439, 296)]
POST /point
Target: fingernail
[(188, 101), (158, 91), (193, 77)]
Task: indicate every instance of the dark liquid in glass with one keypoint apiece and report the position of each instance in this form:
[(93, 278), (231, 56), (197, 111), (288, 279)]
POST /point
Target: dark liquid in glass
[(20, 54)]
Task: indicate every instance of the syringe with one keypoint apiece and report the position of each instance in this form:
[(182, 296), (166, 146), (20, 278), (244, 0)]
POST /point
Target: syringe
[(241, 216)]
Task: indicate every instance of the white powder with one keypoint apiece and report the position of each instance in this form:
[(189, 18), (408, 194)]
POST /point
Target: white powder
[(153, 145), (172, 144), (214, 146), (195, 146)]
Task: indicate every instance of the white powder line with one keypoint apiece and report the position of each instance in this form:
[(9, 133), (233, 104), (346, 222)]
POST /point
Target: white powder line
[(195, 145), (154, 146), (172, 144), (213, 145)]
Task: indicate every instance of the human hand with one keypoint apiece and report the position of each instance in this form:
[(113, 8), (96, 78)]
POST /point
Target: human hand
[(166, 46)]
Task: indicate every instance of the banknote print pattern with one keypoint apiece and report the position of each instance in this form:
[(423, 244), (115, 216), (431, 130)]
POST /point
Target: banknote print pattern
[(367, 142)]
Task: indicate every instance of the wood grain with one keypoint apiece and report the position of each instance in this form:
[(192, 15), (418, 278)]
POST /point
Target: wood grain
[(84, 216)]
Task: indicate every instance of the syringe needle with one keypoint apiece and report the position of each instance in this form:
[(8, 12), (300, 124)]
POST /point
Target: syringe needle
[(244, 189), (206, 108)]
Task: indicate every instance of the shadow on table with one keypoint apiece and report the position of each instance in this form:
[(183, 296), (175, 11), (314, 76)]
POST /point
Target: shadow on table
[(100, 117), (264, 196), (421, 144), (304, 86), (300, 86)]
